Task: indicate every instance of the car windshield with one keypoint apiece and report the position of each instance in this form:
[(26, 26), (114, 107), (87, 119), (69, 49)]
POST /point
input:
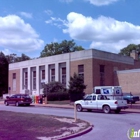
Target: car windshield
[(85, 96)]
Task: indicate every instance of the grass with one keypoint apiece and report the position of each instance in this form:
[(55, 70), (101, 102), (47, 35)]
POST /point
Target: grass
[(59, 102), (25, 126)]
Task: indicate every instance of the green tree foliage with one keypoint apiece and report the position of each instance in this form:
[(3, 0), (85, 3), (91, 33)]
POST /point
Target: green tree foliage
[(53, 87), (4, 62), (55, 91), (3, 74), (12, 58), (60, 48), (127, 50), (76, 87)]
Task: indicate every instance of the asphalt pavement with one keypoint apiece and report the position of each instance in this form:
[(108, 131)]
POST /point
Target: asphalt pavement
[(132, 107)]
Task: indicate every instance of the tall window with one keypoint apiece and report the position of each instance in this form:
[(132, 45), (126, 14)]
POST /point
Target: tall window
[(34, 79), (43, 74), (64, 76), (102, 75), (14, 81), (81, 71), (52, 75), (26, 80)]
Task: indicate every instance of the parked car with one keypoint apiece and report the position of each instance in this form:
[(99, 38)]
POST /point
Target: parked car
[(100, 102), (130, 98), (18, 99)]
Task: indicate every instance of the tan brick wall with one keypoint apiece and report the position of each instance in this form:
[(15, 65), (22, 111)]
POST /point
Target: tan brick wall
[(88, 75), (10, 84), (130, 82), (92, 72), (109, 71)]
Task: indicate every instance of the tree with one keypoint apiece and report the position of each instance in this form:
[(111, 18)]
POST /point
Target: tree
[(60, 48), (3, 74), (12, 58), (52, 87), (76, 87), (55, 91), (127, 50)]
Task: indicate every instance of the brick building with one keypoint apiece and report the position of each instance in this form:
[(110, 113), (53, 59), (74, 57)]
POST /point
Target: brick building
[(129, 80), (98, 68)]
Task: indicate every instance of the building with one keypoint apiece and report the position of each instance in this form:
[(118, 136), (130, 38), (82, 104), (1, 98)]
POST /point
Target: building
[(98, 68), (129, 80)]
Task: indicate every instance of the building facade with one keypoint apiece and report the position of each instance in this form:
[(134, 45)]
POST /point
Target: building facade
[(98, 68), (129, 80)]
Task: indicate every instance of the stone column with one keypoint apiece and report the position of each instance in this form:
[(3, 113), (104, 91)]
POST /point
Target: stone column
[(37, 80), (56, 72)]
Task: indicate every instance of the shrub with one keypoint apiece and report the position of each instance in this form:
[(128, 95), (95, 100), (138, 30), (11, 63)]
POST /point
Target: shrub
[(58, 96), (55, 91), (53, 87), (76, 87)]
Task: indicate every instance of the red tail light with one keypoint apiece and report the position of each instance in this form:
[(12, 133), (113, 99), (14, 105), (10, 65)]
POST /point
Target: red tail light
[(115, 102)]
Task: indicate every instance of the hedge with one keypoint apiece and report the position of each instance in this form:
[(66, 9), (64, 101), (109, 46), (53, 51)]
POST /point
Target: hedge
[(57, 96)]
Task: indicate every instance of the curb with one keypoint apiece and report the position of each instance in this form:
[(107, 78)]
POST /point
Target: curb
[(129, 110), (50, 106), (77, 134)]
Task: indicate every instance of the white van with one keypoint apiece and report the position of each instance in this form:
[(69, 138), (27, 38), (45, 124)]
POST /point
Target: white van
[(112, 92)]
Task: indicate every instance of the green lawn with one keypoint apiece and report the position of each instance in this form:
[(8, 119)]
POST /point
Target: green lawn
[(59, 102), (25, 126)]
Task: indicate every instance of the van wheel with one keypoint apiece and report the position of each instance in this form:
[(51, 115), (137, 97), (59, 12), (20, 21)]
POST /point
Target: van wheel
[(79, 108), (17, 104), (6, 103), (106, 109), (117, 111)]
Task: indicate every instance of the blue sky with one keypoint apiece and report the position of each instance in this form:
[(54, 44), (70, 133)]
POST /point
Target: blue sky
[(27, 26)]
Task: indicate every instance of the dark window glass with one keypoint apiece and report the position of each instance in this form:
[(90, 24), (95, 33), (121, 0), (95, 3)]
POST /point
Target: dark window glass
[(34, 79), (80, 68), (14, 75), (88, 98), (81, 71), (63, 71), (34, 74), (102, 68), (102, 75), (94, 97), (98, 91), (52, 71), (64, 76), (43, 74)]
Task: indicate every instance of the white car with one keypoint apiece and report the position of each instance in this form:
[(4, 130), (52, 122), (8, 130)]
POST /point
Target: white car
[(100, 102)]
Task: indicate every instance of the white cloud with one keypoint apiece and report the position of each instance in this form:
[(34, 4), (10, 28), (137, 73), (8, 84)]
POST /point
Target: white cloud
[(56, 22), (67, 1), (101, 2), (49, 12), (27, 15), (105, 33), (17, 35), (48, 21)]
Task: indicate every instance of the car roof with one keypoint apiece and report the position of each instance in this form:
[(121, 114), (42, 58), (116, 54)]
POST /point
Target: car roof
[(21, 94)]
